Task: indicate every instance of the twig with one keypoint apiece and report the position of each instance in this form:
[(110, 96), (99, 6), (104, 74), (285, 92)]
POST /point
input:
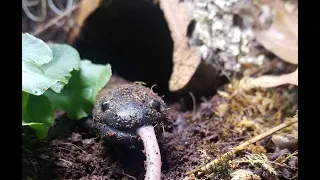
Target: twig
[(129, 176), (242, 146), (55, 20), (194, 104), (74, 146)]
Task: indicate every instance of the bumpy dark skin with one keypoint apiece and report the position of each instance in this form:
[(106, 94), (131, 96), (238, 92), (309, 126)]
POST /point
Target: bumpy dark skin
[(120, 110)]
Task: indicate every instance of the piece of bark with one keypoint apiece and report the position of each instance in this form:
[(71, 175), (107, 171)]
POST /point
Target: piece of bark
[(282, 37), (85, 9), (190, 73)]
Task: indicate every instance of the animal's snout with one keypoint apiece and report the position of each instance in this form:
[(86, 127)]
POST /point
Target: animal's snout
[(129, 113)]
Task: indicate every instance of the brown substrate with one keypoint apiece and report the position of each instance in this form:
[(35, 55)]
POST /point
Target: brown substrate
[(188, 140)]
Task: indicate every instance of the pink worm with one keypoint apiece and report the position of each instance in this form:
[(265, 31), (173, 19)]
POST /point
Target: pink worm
[(152, 151)]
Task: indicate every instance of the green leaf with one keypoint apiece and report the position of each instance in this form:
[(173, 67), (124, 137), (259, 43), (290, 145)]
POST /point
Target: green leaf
[(34, 80), (65, 59), (41, 71), (40, 129), (77, 98), (35, 51), (38, 114), (25, 98)]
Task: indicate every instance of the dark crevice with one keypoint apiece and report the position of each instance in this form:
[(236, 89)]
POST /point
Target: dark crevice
[(133, 36)]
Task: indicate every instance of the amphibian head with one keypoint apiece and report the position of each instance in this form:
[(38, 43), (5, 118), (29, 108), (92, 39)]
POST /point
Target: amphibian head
[(119, 111)]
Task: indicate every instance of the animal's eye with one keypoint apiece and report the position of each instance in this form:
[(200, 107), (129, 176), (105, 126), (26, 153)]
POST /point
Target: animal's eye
[(105, 106), (155, 105)]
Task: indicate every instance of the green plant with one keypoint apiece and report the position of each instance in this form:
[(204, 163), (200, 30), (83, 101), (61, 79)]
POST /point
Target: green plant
[(54, 77)]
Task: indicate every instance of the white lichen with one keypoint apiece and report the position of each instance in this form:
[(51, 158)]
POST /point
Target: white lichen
[(217, 28), (242, 174)]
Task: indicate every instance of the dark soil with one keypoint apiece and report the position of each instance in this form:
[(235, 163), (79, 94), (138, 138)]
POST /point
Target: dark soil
[(188, 139)]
